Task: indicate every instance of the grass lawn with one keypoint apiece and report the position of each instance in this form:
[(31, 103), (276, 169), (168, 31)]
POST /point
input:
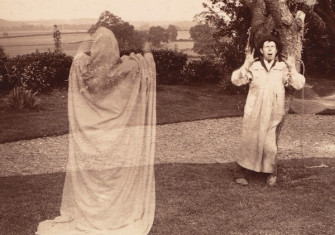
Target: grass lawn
[(174, 104), (190, 198), (198, 199)]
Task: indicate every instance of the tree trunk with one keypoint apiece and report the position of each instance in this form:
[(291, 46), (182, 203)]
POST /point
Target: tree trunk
[(261, 24), (270, 16), (274, 16)]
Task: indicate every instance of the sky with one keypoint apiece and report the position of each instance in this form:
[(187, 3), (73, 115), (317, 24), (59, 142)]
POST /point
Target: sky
[(128, 10)]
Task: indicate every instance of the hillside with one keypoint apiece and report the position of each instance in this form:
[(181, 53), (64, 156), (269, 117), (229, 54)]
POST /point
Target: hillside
[(82, 23)]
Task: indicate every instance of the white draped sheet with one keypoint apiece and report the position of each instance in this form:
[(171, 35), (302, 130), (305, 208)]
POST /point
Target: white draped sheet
[(109, 186)]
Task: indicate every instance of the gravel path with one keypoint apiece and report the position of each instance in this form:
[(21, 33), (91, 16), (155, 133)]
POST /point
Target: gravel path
[(205, 141)]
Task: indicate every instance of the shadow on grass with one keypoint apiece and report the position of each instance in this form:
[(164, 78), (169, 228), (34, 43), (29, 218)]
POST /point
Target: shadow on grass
[(199, 199)]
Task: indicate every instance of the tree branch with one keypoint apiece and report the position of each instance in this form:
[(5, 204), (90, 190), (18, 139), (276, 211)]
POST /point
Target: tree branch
[(300, 19), (280, 12), (261, 24)]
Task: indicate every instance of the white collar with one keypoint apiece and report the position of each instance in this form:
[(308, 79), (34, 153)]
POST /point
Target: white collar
[(268, 64)]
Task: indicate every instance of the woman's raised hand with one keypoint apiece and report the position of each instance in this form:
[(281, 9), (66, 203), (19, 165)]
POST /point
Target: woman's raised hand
[(290, 62), (249, 57)]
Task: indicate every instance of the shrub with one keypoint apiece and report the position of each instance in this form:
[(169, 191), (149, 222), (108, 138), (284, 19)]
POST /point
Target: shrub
[(3, 61), (62, 64), (206, 70), (38, 71), (169, 66), (44, 71), (14, 69), (37, 77), (20, 98)]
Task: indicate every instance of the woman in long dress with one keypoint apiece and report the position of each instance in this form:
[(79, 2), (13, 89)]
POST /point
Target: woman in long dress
[(265, 106), (109, 186)]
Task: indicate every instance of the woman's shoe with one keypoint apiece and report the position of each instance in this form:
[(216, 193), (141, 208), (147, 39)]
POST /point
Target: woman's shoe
[(271, 180), (242, 181)]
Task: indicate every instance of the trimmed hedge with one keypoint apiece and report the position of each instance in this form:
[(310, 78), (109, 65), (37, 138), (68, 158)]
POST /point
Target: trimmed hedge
[(3, 60), (38, 71), (206, 70), (45, 71), (169, 65), (42, 72)]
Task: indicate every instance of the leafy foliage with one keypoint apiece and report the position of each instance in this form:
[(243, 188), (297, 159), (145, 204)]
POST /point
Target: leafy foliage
[(20, 98), (44, 71), (206, 70), (37, 77), (172, 32), (231, 33), (169, 65), (225, 25), (318, 51), (57, 41), (3, 60), (232, 21), (38, 71), (128, 38), (202, 34), (158, 34), (138, 39), (124, 32)]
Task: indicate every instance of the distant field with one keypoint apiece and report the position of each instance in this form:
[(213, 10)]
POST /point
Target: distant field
[(27, 44), (185, 47), (41, 41), (36, 32), (183, 34), (179, 45)]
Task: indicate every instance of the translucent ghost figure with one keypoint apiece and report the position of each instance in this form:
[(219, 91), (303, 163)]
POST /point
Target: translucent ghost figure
[(109, 186)]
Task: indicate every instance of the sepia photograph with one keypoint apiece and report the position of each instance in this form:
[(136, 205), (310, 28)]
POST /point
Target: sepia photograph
[(160, 117)]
